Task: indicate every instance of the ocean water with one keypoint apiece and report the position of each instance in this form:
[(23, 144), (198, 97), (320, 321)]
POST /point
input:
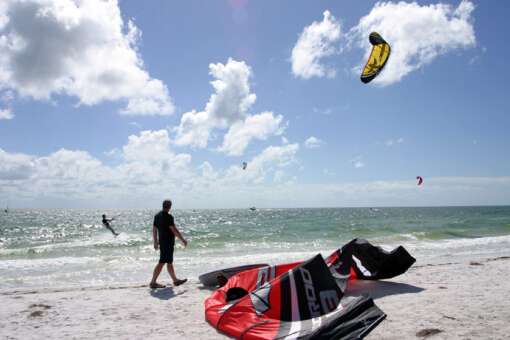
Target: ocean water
[(67, 247)]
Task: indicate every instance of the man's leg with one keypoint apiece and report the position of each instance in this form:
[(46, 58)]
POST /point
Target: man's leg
[(171, 271), (113, 231), (170, 268), (157, 271)]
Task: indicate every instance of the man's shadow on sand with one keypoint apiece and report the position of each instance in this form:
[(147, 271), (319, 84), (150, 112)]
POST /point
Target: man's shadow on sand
[(378, 289), (165, 293)]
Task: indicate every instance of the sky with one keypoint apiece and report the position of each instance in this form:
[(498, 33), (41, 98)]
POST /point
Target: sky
[(121, 104)]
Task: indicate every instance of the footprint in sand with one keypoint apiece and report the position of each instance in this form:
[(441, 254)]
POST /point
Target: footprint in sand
[(39, 310), (35, 314), (426, 332), (39, 305)]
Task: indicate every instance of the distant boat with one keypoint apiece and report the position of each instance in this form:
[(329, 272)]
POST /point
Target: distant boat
[(253, 208)]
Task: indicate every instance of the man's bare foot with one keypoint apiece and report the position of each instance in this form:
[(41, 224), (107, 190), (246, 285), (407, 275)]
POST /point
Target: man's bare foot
[(155, 285), (179, 282)]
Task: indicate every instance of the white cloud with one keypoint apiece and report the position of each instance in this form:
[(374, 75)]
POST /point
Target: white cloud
[(478, 56), (269, 160), (114, 153), (280, 155), (328, 172), (76, 167), (326, 111), (279, 176), (147, 146), (6, 114), (147, 170), (313, 142), (208, 171), (259, 126), (315, 43), (417, 34), (228, 108), (6, 97), (76, 178), (232, 99), (147, 165), (357, 162), (392, 142), (229, 104), (15, 166), (150, 160), (194, 129), (76, 48)]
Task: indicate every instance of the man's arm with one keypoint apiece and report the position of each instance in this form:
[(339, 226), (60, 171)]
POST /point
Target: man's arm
[(177, 234), (155, 237)]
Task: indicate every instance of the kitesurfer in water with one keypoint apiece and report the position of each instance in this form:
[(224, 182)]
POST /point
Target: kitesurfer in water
[(106, 223), (164, 233)]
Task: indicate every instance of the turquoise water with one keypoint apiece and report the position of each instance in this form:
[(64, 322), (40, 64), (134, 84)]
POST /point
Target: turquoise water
[(71, 247)]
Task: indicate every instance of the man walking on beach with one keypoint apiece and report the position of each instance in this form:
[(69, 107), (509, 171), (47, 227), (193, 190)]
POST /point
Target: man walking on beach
[(164, 232)]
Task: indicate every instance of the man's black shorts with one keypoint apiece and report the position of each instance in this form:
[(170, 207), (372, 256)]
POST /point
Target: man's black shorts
[(166, 253)]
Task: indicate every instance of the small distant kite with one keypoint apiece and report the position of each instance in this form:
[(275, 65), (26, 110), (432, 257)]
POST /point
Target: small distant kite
[(378, 57), (420, 180), (245, 165)]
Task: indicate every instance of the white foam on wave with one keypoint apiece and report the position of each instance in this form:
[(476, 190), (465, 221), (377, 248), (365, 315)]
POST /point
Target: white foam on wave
[(103, 239), (463, 242), (48, 262), (458, 249)]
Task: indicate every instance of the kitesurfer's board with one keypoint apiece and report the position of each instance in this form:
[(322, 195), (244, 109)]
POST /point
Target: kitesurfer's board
[(211, 279)]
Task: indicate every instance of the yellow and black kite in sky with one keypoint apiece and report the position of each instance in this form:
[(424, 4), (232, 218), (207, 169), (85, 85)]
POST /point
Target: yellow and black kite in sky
[(377, 59)]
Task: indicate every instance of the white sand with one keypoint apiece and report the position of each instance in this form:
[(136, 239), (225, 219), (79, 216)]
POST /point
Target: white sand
[(463, 300)]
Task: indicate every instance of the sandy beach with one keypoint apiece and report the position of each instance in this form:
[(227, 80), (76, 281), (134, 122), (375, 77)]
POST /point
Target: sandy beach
[(465, 299), (210, 135)]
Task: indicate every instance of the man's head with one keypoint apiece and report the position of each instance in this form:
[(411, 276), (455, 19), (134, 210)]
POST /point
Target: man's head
[(104, 216), (167, 204)]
